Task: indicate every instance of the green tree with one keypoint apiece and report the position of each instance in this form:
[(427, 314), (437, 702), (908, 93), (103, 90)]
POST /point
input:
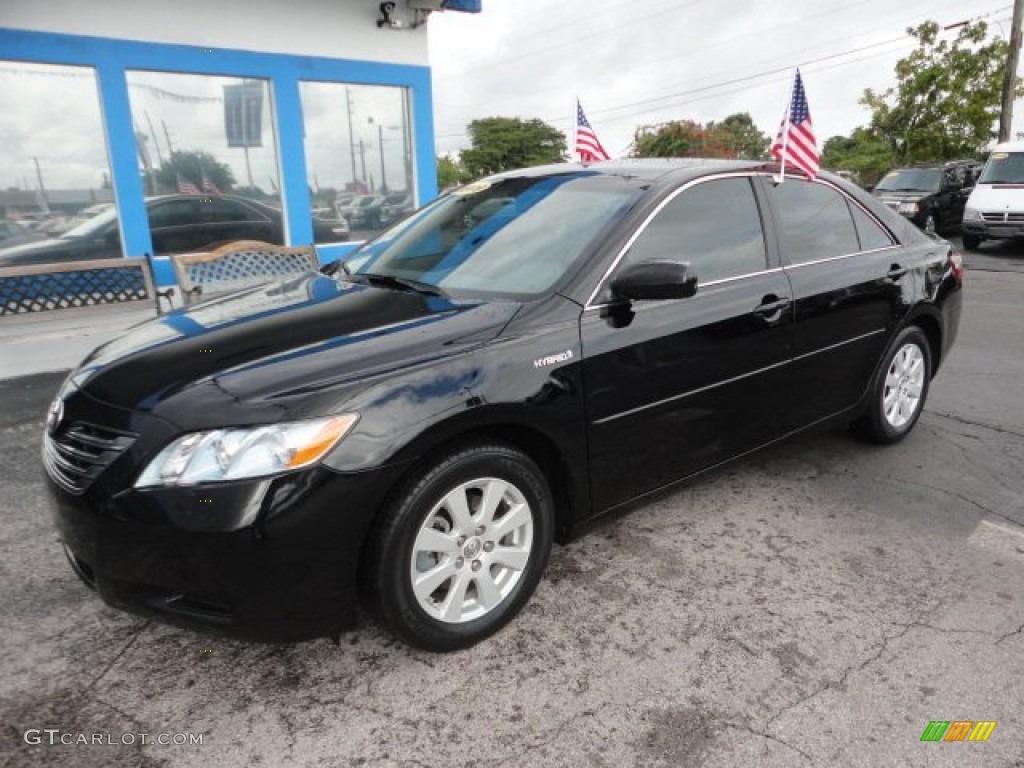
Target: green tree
[(449, 172), (735, 136), (506, 143), (190, 165), (862, 152), (676, 138), (946, 99), (738, 134)]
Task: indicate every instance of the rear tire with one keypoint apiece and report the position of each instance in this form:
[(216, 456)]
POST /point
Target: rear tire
[(899, 389), (463, 546), (971, 242)]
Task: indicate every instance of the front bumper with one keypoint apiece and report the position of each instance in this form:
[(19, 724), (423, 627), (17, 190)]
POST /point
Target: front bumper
[(994, 230), (272, 560)]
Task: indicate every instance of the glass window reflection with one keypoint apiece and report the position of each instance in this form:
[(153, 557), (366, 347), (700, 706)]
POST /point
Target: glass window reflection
[(55, 167), (208, 158), (359, 156)]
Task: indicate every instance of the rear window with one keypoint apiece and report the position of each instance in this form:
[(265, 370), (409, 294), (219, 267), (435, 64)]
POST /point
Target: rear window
[(1004, 168)]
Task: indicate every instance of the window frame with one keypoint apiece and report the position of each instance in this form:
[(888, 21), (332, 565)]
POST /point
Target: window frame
[(767, 232), (111, 59), (766, 178)]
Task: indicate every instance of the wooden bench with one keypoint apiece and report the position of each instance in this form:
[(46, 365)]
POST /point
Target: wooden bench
[(238, 265), (32, 288)]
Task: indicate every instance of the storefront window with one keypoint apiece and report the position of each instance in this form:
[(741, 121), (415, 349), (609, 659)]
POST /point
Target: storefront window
[(54, 166), (208, 159), (359, 156)]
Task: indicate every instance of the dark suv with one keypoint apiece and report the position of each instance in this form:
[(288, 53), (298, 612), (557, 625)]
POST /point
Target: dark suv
[(534, 350), (931, 196)]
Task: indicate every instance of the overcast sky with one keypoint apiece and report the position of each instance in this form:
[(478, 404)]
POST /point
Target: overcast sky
[(634, 63)]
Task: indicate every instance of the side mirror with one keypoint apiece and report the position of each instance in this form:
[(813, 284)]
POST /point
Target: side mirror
[(656, 280)]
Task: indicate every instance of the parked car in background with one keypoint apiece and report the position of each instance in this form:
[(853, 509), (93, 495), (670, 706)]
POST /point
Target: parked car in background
[(932, 196), (16, 233), (512, 361), (177, 223), (995, 209), (396, 207), (364, 212), (328, 217)]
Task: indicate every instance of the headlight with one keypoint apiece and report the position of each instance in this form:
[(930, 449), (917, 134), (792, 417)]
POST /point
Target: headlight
[(908, 208), (972, 214), (230, 454)]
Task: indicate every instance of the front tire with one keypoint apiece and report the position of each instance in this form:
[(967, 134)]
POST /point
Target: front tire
[(462, 548), (971, 242), (899, 389)]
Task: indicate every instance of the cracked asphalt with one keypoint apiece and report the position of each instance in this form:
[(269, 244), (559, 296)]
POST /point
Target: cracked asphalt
[(814, 605)]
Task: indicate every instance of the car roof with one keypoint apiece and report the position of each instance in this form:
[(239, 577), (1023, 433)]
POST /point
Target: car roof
[(646, 168)]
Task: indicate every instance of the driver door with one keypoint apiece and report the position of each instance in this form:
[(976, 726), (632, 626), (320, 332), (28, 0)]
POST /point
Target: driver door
[(675, 386)]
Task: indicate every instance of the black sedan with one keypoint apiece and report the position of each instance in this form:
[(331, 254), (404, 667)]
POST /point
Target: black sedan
[(523, 355), (177, 224)]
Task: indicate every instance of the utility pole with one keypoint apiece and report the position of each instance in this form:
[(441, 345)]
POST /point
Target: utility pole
[(351, 138), (1010, 76), (362, 159), (383, 173)]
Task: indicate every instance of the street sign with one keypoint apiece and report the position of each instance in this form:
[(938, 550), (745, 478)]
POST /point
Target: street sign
[(243, 112)]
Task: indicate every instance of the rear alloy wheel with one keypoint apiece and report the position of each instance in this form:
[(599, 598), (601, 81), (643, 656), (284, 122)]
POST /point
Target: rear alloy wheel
[(462, 550), (899, 390)]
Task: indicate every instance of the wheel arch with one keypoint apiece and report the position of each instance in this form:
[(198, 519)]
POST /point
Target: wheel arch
[(570, 495), (928, 320)]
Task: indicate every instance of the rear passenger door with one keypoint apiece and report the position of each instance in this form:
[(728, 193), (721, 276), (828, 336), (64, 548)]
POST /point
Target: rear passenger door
[(847, 276)]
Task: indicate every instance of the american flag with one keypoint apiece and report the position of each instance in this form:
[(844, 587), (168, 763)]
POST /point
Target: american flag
[(208, 186), (187, 187), (587, 144), (796, 143)]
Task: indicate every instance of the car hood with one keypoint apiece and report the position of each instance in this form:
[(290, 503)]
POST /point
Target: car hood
[(283, 349), (997, 197), (44, 249)]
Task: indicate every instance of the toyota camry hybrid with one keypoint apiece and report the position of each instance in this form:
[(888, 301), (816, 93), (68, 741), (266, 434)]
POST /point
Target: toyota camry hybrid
[(412, 428)]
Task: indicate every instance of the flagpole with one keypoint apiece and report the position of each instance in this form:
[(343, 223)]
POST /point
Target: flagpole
[(785, 130), (572, 127)]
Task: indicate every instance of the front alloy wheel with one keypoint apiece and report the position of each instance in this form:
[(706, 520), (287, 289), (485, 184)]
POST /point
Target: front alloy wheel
[(462, 548), (471, 550)]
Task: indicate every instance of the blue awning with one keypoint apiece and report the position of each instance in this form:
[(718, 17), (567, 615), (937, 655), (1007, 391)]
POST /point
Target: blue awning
[(467, 6)]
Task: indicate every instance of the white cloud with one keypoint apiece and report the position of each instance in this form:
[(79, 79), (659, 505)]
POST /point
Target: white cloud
[(632, 63)]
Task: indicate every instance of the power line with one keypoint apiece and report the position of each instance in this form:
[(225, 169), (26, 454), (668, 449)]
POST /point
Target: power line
[(726, 83)]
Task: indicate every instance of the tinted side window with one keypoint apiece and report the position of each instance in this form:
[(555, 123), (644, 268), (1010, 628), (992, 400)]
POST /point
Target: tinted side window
[(871, 235), (215, 210), (715, 226), (173, 213), (813, 221)]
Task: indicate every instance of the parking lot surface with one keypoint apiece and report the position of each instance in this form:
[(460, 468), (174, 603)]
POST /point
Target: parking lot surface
[(818, 603)]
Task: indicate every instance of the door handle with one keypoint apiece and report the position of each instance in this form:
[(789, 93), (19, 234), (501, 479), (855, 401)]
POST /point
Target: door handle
[(771, 306), (895, 272)]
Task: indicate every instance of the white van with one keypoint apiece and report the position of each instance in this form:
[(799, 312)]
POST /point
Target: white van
[(995, 209)]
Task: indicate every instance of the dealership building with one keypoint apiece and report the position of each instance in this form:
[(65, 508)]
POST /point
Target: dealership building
[(300, 106)]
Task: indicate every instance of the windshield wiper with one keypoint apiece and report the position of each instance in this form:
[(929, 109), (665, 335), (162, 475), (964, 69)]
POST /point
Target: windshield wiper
[(404, 283)]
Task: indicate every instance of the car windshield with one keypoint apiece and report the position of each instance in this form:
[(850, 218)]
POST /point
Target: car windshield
[(912, 180), (1004, 168), (512, 237), (92, 226)]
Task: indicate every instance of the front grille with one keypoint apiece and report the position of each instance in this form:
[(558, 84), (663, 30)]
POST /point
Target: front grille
[(76, 457), (1007, 217)]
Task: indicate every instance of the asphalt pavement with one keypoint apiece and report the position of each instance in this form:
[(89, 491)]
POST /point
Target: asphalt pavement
[(817, 604)]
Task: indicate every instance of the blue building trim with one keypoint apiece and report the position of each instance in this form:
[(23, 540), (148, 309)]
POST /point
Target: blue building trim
[(111, 58)]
